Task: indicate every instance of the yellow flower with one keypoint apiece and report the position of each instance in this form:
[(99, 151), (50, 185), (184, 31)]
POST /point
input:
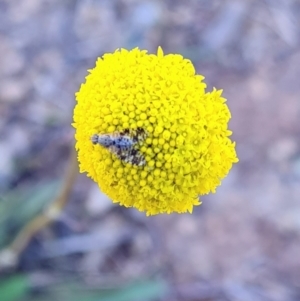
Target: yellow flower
[(176, 136)]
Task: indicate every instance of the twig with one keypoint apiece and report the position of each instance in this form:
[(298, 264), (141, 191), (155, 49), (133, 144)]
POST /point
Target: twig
[(9, 256)]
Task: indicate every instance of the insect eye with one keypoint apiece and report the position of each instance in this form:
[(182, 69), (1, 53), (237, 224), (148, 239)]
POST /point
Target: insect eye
[(94, 139)]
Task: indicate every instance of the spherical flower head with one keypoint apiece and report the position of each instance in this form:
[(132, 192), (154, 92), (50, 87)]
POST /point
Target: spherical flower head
[(149, 134)]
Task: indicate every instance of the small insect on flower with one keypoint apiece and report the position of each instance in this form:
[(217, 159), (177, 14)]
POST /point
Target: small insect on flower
[(123, 145)]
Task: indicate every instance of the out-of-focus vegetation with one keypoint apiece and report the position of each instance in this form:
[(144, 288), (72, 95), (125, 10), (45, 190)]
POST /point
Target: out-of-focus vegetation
[(18, 287), (21, 205)]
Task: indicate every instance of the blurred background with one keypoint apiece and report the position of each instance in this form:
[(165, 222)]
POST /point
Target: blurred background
[(242, 244)]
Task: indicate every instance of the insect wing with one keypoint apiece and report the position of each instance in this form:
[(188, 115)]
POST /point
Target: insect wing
[(131, 156)]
